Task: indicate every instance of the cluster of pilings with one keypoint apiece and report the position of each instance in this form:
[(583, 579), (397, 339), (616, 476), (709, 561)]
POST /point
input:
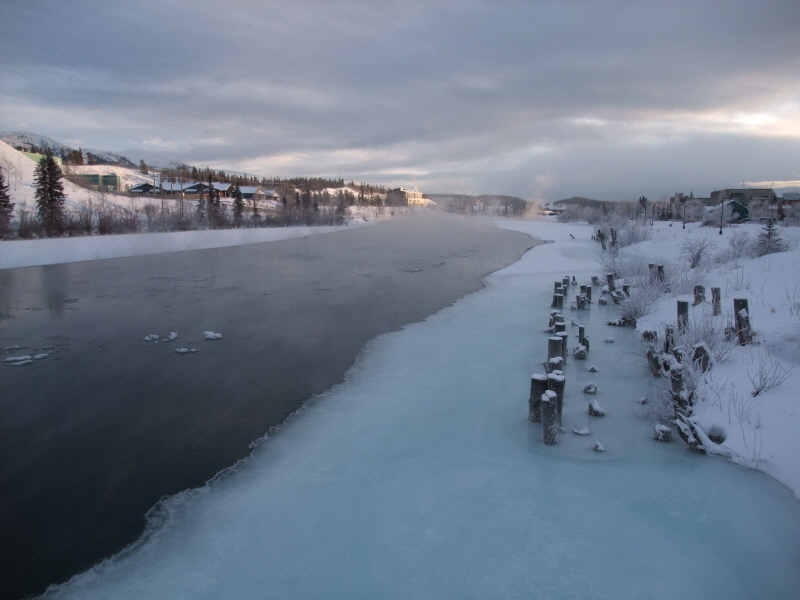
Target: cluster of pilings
[(546, 400), (670, 360)]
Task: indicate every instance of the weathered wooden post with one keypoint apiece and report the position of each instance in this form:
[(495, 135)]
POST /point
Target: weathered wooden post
[(626, 289), (559, 298), (549, 415), (661, 273), (565, 283), (582, 334), (683, 315), (556, 286), (676, 378), (563, 335), (554, 345), (583, 289), (699, 294), (669, 339), (653, 272), (742, 318), (589, 293), (610, 280), (716, 300), (559, 327), (556, 383), (595, 280), (538, 387)]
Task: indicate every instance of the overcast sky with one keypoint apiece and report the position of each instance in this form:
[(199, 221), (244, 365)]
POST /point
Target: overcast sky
[(547, 100)]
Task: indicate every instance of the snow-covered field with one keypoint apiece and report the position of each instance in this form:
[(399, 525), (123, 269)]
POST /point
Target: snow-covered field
[(421, 477)]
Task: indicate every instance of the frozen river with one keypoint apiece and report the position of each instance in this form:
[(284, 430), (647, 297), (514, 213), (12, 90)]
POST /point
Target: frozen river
[(421, 477)]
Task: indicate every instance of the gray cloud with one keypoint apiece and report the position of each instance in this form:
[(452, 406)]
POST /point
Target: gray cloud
[(496, 96)]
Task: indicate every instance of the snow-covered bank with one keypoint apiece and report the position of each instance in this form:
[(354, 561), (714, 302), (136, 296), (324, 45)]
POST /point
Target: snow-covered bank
[(760, 425), (51, 251), (421, 477)]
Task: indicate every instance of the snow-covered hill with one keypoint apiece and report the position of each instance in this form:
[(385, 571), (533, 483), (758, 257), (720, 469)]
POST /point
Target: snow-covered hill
[(151, 159), (33, 142), (18, 170)]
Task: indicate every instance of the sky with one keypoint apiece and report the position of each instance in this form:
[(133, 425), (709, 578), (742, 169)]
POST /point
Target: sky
[(541, 100)]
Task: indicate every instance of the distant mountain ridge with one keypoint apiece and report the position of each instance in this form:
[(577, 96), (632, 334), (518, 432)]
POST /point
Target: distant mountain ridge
[(33, 142)]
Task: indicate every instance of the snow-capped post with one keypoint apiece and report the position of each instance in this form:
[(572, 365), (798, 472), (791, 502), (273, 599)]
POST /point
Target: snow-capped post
[(558, 300), (699, 294), (702, 357), (554, 345), (716, 300), (565, 284), (583, 289), (582, 335), (556, 287), (595, 280), (683, 315), (554, 303), (559, 327), (741, 311), (538, 387), (610, 280), (556, 383), (589, 294), (549, 418)]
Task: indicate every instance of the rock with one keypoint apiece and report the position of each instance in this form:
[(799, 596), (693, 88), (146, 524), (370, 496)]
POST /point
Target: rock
[(579, 352), (590, 388), (595, 409), (597, 446), (593, 369), (609, 340), (662, 433), (581, 431)]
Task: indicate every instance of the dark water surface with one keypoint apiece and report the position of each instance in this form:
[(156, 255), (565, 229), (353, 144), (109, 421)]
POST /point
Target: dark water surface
[(92, 436)]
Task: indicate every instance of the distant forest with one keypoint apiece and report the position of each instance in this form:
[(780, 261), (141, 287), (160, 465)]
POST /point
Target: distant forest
[(494, 204), (584, 203)]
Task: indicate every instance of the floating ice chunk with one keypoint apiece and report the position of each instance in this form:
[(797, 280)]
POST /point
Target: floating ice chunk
[(40, 356), (173, 335), (609, 340), (581, 431), (20, 363), (151, 338), (642, 400), (186, 350), (597, 446), (14, 359), (210, 335), (15, 347)]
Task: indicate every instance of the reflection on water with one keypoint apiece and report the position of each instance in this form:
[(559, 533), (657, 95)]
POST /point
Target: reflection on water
[(54, 285)]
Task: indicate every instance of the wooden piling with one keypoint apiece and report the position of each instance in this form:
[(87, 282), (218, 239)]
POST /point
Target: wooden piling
[(589, 294), (563, 335), (661, 275), (741, 313), (554, 345), (595, 280), (610, 280), (683, 315), (716, 300), (549, 414), (556, 383), (699, 294), (653, 272), (538, 387)]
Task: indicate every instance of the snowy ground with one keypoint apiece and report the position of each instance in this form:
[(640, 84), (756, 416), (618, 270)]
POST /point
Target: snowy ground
[(763, 432), (421, 477)]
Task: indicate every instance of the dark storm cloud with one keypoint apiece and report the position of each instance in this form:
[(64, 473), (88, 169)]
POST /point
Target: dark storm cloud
[(476, 92)]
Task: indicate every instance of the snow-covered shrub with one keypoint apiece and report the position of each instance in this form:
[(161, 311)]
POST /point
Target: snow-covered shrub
[(705, 329), (642, 301), (740, 246), (767, 374), (696, 250)]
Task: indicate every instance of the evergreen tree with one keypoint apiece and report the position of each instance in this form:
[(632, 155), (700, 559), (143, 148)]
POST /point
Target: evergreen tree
[(238, 205), (49, 194), (769, 240), (143, 167), (6, 206)]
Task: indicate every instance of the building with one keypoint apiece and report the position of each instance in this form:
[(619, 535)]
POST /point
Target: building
[(96, 181), (743, 195), (404, 197)]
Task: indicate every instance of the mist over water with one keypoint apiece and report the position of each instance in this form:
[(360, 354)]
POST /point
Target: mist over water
[(420, 477), (96, 433)]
